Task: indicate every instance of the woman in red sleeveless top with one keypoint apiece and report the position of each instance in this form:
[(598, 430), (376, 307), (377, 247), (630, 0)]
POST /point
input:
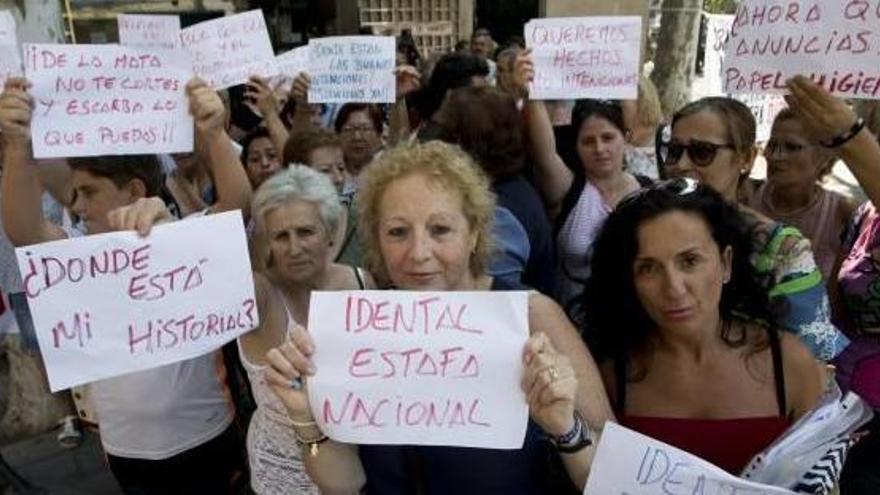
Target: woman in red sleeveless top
[(672, 307)]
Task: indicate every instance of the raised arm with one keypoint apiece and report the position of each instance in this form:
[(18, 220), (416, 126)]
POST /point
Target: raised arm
[(259, 90), (302, 115), (551, 385), (408, 80), (22, 203), (553, 176), (826, 117), (230, 179), (335, 467)]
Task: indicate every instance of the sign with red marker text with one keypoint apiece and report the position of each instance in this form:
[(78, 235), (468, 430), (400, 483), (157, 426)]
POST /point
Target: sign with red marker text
[(149, 31), (357, 69), (420, 368), (834, 43), (108, 100), (110, 304), (229, 50), (630, 463), (585, 57), (10, 57)]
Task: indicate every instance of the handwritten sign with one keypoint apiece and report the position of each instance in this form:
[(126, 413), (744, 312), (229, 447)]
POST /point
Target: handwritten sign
[(108, 100), (149, 31), (110, 304), (585, 57), (10, 58), (228, 50), (352, 69), (836, 44), (420, 368), (630, 463), (290, 64)]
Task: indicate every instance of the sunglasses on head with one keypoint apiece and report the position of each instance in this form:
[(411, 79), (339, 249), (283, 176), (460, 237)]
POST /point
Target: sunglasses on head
[(681, 186), (700, 153)]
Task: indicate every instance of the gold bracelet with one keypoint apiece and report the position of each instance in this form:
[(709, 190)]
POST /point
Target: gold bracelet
[(305, 424), (312, 444)]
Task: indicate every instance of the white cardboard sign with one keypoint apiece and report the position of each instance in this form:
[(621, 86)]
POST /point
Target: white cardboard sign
[(228, 50), (149, 31), (110, 304), (420, 368), (108, 100), (352, 69), (835, 43), (585, 57), (290, 64), (630, 463), (10, 56)]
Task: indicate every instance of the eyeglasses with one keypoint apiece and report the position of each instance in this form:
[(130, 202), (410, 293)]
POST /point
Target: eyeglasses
[(681, 186), (363, 129), (783, 148), (701, 153)]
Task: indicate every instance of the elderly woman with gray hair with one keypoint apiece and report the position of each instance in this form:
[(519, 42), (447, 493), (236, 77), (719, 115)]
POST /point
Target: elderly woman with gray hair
[(296, 214)]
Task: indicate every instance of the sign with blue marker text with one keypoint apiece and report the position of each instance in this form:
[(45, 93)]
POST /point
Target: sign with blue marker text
[(228, 50), (629, 463), (347, 69)]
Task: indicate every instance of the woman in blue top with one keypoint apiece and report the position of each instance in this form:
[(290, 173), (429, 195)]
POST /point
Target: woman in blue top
[(425, 214)]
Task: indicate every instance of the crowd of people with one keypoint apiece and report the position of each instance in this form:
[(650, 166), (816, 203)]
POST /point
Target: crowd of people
[(670, 291)]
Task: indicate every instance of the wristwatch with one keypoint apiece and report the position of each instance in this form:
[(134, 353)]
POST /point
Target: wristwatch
[(579, 437)]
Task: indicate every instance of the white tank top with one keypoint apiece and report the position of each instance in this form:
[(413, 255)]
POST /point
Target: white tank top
[(161, 412)]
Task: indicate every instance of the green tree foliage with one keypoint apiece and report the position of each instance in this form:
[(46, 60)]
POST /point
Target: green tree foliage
[(720, 6)]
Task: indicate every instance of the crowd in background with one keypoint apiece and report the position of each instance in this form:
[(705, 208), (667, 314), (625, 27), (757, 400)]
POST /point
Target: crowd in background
[(671, 292)]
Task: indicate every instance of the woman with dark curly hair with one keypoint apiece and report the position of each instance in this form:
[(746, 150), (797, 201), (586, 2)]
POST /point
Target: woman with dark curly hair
[(674, 306)]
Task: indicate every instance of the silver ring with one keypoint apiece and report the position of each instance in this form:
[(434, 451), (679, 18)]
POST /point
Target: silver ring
[(553, 372)]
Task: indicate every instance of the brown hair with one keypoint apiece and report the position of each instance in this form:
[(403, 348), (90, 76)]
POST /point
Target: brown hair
[(301, 144), (123, 169), (448, 167), (650, 110), (373, 111), (485, 122), (740, 123)]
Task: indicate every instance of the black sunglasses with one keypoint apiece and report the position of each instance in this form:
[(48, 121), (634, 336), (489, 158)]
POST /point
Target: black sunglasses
[(701, 153)]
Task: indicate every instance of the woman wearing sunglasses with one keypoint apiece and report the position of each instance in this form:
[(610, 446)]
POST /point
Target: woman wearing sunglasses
[(793, 193), (713, 141), (578, 200)]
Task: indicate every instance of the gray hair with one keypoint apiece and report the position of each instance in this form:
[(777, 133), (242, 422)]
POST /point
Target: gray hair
[(298, 182)]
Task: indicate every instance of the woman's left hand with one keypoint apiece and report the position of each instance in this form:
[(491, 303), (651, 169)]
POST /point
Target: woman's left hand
[(550, 385), (823, 115)]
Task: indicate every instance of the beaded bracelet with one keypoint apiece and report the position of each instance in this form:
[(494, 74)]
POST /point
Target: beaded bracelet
[(846, 136)]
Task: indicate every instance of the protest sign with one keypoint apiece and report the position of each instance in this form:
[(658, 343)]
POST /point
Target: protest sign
[(836, 44), (420, 368), (110, 304), (585, 57), (290, 64), (765, 108), (108, 100), (228, 50), (10, 57), (149, 31), (352, 69), (630, 463)]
